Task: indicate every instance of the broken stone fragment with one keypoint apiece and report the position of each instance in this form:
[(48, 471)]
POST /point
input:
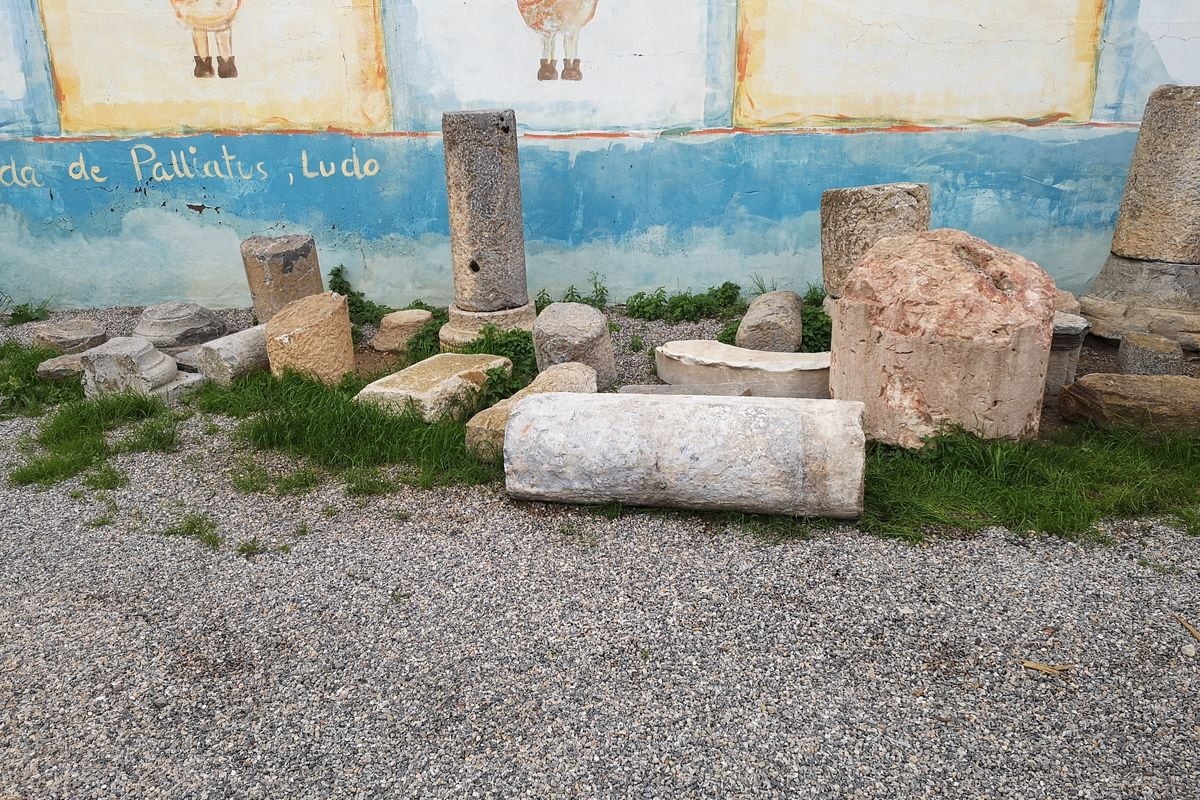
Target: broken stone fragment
[(768, 374), (485, 430), (575, 332), (938, 330), (224, 360), (68, 335), (61, 368), (312, 336), (126, 363), (1069, 332), (279, 270), (854, 219), (774, 321), (397, 328), (759, 455), (1157, 402), (174, 326), (444, 386), (1147, 354)]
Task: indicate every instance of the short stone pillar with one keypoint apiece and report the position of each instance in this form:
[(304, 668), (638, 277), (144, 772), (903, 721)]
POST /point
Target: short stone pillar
[(487, 235), (941, 329), (280, 269), (1147, 354), (1151, 282), (225, 360), (854, 219), (760, 455), (312, 336), (575, 332), (1069, 332), (398, 328)]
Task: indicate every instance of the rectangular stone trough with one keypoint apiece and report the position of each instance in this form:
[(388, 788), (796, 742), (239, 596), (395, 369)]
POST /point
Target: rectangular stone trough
[(761, 455), (766, 373)]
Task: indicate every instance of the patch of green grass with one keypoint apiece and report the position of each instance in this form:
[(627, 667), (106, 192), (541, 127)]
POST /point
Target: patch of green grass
[(106, 476), (210, 428), (368, 482), (636, 345), (362, 310), (301, 530), (1062, 484), (401, 516), (158, 434), (106, 517), (597, 298), (298, 481), (28, 312), (517, 347), (817, 327), (73, 437), (200, 527), (21, 390), (329, 512), (251, 547), (247, 476), (719, 302)]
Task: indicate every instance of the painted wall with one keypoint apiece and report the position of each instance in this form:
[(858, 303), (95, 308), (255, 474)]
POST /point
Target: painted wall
[(688, 145)]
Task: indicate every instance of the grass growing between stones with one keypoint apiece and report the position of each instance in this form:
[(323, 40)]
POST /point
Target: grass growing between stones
[(1062, 484), (21, 390), (200, 527)]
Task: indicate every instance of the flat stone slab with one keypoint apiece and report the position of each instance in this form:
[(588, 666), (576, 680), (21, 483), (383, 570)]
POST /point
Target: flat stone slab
[(446, 385), (69, 335), (61, 368), (760, 455), (703, 361), (485, 431), (706, 389)]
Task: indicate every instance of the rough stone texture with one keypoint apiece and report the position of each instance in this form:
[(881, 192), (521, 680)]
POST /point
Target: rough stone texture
[(177, 326), (774, 321), (1146, 297), (940, 329), (711, 389), (61, 368), (312, 335), (1066, 302), (1069, 333), (171, 393), (279, 270), (464, 326), (1162, 402), (397, 328), (68, 335), (762, 455), (1160, 213), (1147, 354), (487, 235), (854, 219), (446, 385), (703, 361), (485, 430), (574, 332), (126, 363), (230, 357), (188, 360)]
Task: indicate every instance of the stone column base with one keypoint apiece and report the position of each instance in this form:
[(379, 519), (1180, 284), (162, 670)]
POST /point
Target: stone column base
[(1158, 297), (465, 326)]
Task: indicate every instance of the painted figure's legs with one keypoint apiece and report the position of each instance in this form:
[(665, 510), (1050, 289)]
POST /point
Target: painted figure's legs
[(226, 68), (204, 67), (571, 70), (548, 70)]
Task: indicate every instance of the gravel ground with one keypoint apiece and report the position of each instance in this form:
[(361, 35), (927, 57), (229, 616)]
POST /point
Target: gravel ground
[(451, 643)]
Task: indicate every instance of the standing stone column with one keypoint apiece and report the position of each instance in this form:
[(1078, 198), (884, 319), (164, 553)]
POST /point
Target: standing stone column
[(1151, 281), (487, 237), (854, 219), (280, 269)]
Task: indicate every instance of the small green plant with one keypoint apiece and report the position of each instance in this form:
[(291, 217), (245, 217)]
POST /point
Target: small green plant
[(719, 302), (302, 530), (28, 312), (106, 517), (21, 390), (362, 310), (761, 285), (106, 476), (401, 516), (200, 527), (76, 494), (728, 334), (542, 300), (817, 327), (211, 428), (636, 345), (515, 345), (329, 512), (251, 547), (598, 298), (367, 482)]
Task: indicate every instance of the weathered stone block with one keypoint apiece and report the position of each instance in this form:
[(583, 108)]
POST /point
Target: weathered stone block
[(174, 326), (279, 270), (854, 219), (774, 321), (752, 454), (68, 335), (1145, 297), (126, 363), (1160, 402), (446, 385), (1069, 332), (397, 328), (574, 332), (1160, 213), (1147, 354), (312, 335), (485, 430), (230, 357), (61, 368), (703, 361), (466, 326), (487, 234), (942, 329)]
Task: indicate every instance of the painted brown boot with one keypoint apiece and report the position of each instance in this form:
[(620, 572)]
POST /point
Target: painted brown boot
[(203, 67), (548, 71), (226, 68), (571, 70)]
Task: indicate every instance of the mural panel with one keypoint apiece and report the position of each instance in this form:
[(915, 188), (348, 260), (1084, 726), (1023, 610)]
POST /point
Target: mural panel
[(879, 62), (26, 99), (127, 66), (563, 65)]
